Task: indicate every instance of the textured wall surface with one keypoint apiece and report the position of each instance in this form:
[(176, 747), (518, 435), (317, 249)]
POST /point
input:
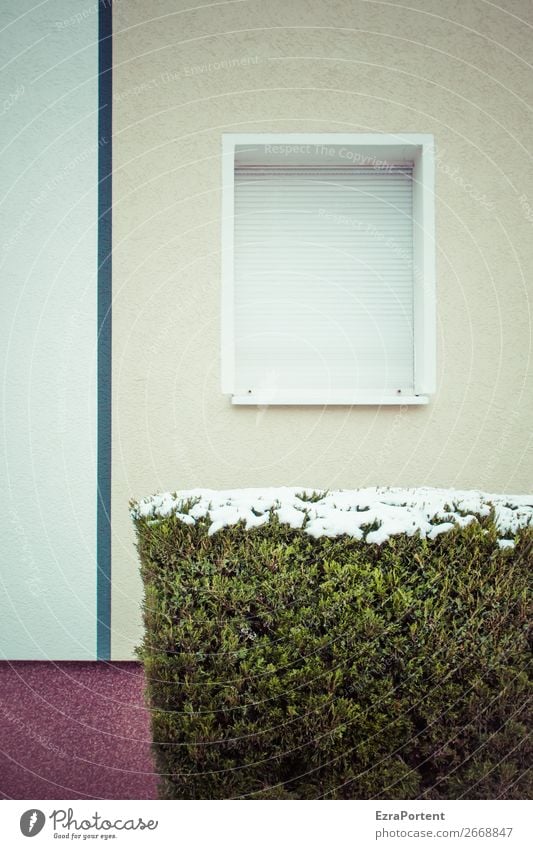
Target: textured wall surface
[(48, 260), (183, 76), (75, 731)]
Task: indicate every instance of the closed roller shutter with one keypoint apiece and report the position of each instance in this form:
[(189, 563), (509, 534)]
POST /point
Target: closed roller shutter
[(323, 279)]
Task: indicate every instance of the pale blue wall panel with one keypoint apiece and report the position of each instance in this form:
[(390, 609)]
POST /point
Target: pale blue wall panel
[(48, 258)]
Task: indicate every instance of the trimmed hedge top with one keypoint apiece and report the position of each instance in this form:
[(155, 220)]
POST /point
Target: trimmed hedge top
[(373, 514)]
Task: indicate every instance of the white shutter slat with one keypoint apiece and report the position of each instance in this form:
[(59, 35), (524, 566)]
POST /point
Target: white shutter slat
[(323, 281)]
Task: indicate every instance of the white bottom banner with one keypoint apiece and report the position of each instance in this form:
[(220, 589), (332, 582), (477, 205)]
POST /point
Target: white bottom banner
[(257, 824)]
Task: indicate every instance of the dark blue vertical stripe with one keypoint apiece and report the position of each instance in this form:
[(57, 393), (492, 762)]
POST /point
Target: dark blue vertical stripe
[(103, 513)]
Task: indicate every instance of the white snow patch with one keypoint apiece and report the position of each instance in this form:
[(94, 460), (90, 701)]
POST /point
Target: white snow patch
[(436, 530), (424, 510)]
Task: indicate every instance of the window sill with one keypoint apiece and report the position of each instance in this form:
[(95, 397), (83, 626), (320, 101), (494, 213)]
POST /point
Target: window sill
[(326, 399)]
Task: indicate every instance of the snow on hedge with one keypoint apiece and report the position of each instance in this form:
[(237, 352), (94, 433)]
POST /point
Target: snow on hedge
[(388, 511)]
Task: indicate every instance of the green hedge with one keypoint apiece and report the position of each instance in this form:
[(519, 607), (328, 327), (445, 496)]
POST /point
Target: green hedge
[(280, 666)]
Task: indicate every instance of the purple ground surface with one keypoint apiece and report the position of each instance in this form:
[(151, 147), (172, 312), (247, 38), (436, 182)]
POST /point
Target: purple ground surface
[(71, 730)]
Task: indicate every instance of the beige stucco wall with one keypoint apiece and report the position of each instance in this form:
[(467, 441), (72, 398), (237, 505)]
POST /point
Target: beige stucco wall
[(454, 69)]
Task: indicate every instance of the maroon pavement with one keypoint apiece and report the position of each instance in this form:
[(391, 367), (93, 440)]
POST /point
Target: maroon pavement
[(73, 730)]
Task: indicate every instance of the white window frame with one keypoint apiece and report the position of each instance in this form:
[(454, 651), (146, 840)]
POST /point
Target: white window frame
[(420, 149)]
